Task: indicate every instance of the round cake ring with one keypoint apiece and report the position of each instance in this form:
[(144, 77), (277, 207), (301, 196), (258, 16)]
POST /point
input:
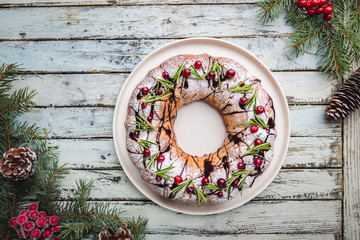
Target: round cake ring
[(215, 48)]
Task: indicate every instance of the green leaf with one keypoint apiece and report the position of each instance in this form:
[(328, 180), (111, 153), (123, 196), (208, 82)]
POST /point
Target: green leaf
[(178, 72), (181, 188), (151, 161), (200, 196), (165, 173), (255, 149), (256, 121), (236, 174), (244, 89)]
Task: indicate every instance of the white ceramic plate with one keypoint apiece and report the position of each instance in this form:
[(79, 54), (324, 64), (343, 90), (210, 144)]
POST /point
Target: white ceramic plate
[(213, 47)]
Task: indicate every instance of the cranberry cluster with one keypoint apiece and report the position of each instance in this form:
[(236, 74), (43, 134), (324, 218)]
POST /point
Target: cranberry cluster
[(34, 225), (317, 7)]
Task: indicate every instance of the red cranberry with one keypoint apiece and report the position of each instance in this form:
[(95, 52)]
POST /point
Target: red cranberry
[(158, 178), (220, 194), (22, 219), (243, 100), (143, 105), (311, 11), (258, 141), (56, 238), (322, 2), (35, 234), (165, 75), (240, 165), (258, 162), (254, 129), (178, 179), (12, 222), (149, 118), (319, 10), (43, 214), (230, 73), (159, 91), (235, 183), (29, 226), (190, 190), (146, 152), (47, 233), (260, 109), (34, 215), (186, 72), (242, 84), (160, 158), (307, 5), (136, 134), (211, 75), (144, 90), (314, 3), (205, 181), (54, 220), (302, 3), (221, 182), (56, 228), (41, 222), (327, 17), (24, 212), (34, 207), (327, 10), (198, 64)]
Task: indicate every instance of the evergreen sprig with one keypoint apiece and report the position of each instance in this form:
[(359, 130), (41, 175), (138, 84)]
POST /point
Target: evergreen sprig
[(152, 158), (244, 89), (256, 121), (180, 188), (200, 196), (165, 173), (235, 175), (141, 124), (254, 150)]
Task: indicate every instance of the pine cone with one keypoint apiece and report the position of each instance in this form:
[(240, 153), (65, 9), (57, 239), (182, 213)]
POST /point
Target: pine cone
[(17, 164), (347, 99), (121, 234)]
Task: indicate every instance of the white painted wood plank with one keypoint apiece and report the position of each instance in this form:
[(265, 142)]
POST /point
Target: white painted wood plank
[(97, 122), (83, 89), (243, 236), (129, 21), (256, 217), (124, 55), (352, 176), (304, 152), (289, 184)]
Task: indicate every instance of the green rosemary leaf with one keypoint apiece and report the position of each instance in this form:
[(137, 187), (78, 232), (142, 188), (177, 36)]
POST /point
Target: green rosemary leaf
[(165, 83), (164, 173), (223, 66), (181, 187), (236, 174), (152, 159), (243, 89), (143, 143), (256, 121), (211, 186), (255, 149), (178, 73), (142, 124), (200, 197), (196, 73), (251, 101), (154, 98)]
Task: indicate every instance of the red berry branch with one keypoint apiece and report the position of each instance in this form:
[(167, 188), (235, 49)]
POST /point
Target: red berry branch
[(317, 7)]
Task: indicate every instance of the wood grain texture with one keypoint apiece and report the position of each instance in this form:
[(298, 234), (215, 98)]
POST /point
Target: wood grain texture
[(129, 21), (304, 152), (73, 122), (83, 89), (352, 176), (245, 236), (124, 55)]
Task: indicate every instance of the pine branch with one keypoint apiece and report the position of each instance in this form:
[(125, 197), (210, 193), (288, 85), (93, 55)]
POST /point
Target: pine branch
[(271, 9)]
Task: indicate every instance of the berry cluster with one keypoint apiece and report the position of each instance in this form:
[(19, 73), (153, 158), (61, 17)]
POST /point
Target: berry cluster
[(35, 225), (317, 7)]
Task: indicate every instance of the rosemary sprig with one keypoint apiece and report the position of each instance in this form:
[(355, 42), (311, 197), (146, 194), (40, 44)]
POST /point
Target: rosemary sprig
[(243, 89), (142, 124), (256, 149), (165, 83), (182, 186), (212, 186), (200, 197), (256, 121), (216, 68), (164, 173), (234, 176), (196, 73), (251, 101), (145, 144), (152, 159), (178, 73), (153, 98)]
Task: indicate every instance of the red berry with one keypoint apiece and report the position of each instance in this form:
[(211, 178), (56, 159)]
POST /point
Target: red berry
[(242, 84), (54, 220), (302, 3), (221, 182), (34, 207), (24, 212), (230, 73), (311, 11), (190, 190), (56, 228), (165, 75), (319, 10), (47, 233), (235, 183), (149, 118), (314, 3), (35, 234), (327, 10), (240, 165), (243, 100), (258, 162), (260, 109), (147, 152), (254, 129), (22, 219), (211, 75), (145, 90), (22, 234), (29, 226), (322, 2), (41, 222), (198, 64), (159, 91), (327, 17), (258, 141), (178, 179), (34, 215), (136, 134), (43, 214), (205, 181), (56, 238), (160, 158), (12, 222), (143, 105), (158, 178), (220, 194), (186, 72)]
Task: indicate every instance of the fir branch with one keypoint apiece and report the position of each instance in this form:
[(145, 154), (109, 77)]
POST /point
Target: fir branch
[(137, 227), (181, 188), (235, 175), (18, 103), (256, 121), (271, 9), (164, 173)]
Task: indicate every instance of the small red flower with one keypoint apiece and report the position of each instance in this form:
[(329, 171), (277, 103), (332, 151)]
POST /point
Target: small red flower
[(34, 207)]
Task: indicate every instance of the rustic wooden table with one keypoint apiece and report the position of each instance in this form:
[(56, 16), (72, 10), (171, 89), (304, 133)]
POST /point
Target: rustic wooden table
[(78, 54)]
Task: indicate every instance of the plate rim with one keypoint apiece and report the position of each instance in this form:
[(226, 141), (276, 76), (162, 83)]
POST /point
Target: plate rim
[(117, 140)]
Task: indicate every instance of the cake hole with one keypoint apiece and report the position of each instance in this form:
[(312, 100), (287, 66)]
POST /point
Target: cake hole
[(199, 128)]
